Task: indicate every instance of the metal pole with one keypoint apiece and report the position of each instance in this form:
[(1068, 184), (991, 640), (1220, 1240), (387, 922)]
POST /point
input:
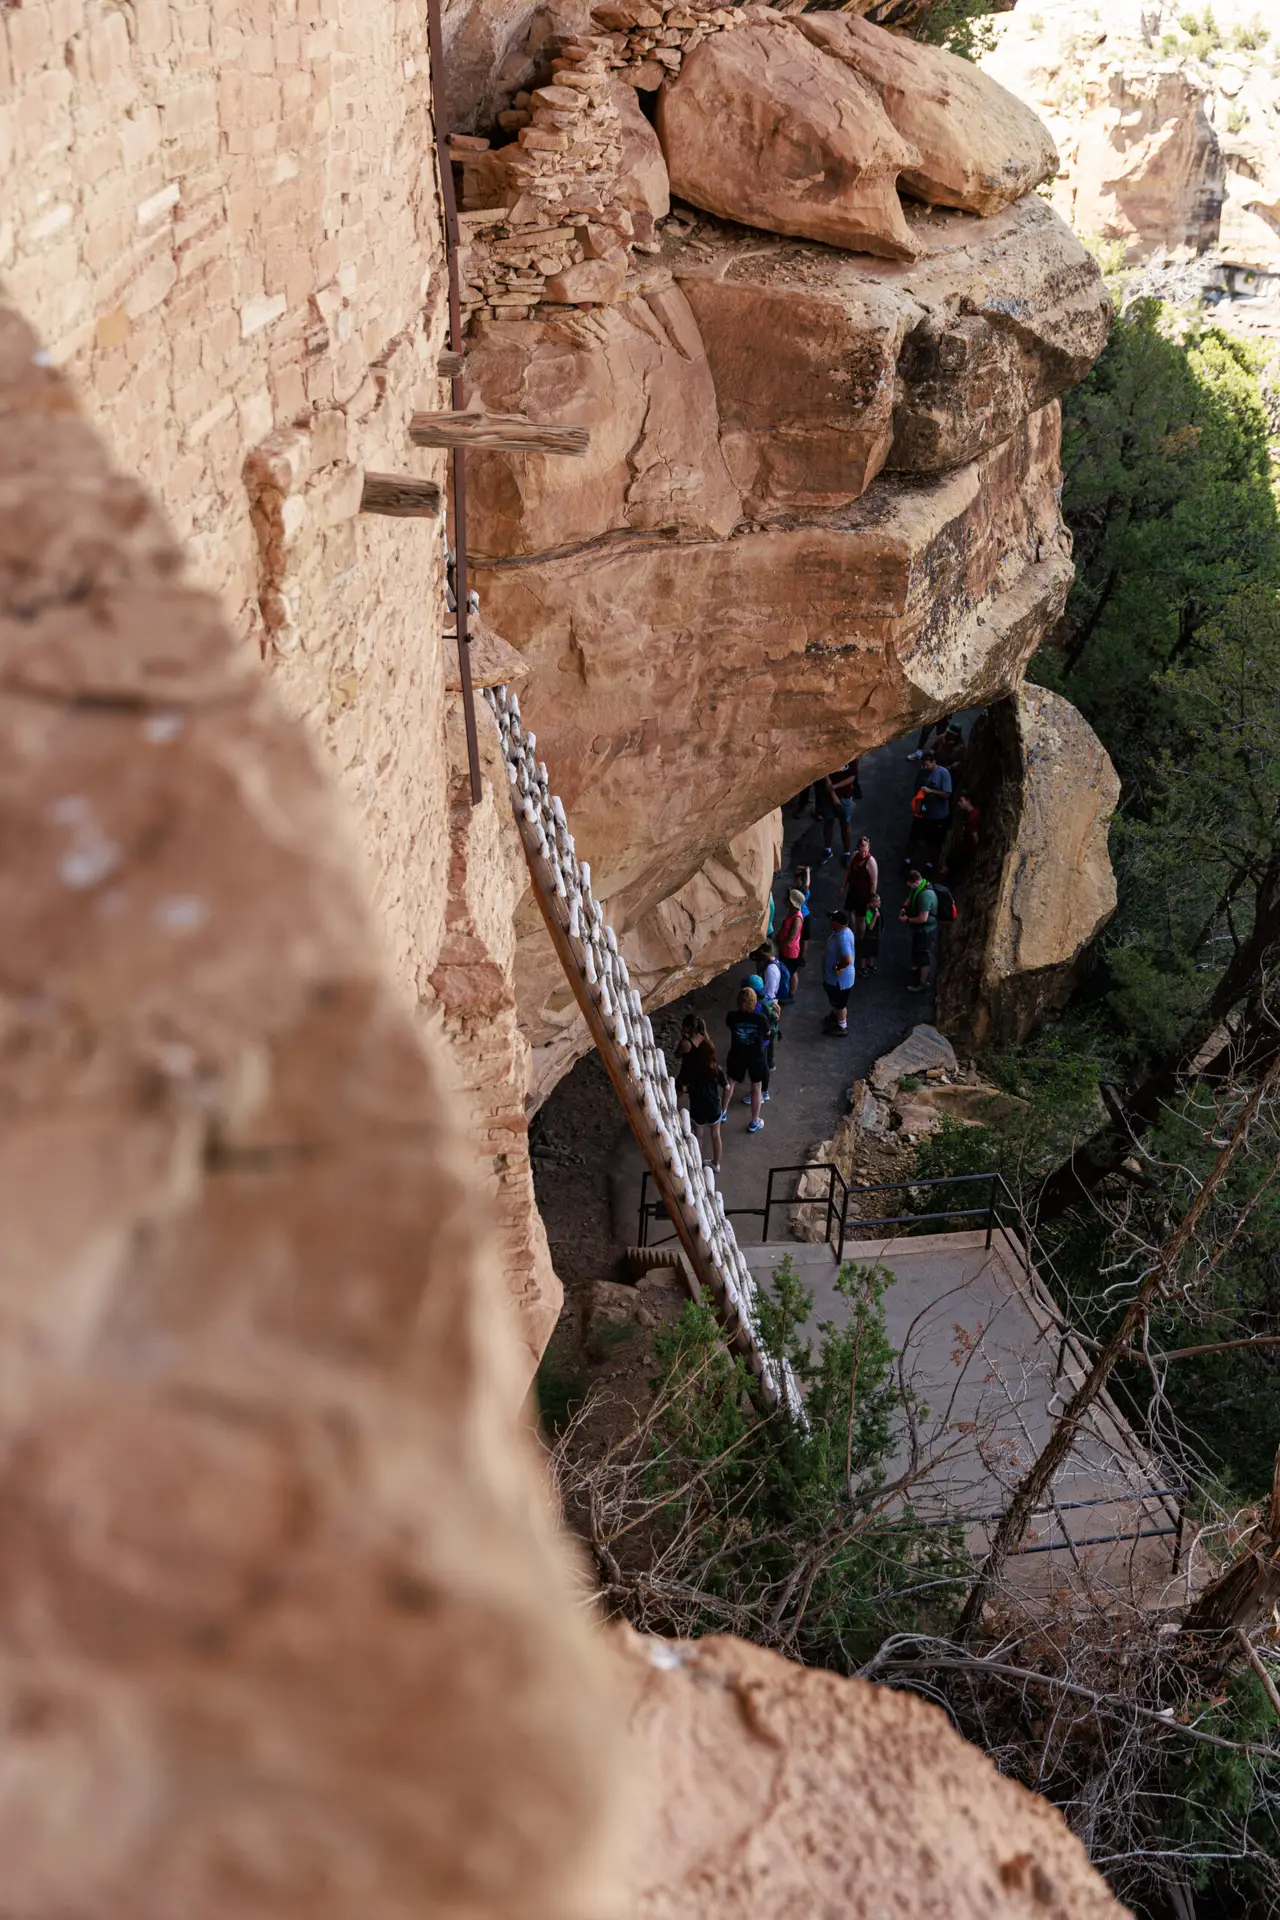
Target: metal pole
[(642, 1232), (435, 45)]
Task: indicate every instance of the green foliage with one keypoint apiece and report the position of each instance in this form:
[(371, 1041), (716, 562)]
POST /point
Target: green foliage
[(1055, 1075), (961, 26), (1167, 492), (794, 1530), (1213, 1796)]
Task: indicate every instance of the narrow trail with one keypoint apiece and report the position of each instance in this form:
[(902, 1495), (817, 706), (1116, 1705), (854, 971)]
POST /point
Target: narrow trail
[(587, 1167)]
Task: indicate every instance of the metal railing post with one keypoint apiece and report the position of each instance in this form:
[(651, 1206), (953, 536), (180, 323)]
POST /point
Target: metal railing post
[(991, 1212), (642, 1237)]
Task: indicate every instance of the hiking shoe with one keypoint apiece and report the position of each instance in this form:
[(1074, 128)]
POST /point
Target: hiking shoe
[(746, 1098), (825, 856), (915, 989), (756, 1126)]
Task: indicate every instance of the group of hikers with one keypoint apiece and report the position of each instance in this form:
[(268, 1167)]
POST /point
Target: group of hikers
[(943, 841)]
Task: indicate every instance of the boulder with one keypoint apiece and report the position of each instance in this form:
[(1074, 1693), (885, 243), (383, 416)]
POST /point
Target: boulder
[(596, 283), (682, 689), (768, 1790), (918, 366), (764, 128), (980, 147), (1041, 886), (923, 1049), (636, 375), (643, 186)]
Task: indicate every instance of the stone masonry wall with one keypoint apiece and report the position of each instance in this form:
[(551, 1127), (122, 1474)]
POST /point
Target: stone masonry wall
[(221, 217)]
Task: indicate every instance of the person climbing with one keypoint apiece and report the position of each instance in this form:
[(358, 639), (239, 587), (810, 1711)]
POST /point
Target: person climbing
[(839, 971), (932, 809), (748, 1045), (791, 940), (835, 801), (920, 912), (861, 880), (702, 1086), (866, 935)]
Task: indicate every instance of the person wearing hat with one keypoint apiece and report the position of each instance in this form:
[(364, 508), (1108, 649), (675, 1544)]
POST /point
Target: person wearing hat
[(791, 938)]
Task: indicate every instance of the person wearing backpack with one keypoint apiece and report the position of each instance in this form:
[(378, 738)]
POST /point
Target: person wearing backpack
[(791, 941), (866, 935), (920, 912)]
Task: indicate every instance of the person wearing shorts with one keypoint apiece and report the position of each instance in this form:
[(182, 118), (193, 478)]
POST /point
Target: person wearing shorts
[(791, 938), (703, 1084), (920, 912), (749, 1037), (839, 971)]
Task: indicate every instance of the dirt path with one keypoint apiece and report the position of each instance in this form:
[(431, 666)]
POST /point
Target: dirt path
[(586, 1164)]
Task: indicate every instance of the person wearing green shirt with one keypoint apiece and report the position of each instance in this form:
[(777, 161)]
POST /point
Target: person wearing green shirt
[(920, 912)]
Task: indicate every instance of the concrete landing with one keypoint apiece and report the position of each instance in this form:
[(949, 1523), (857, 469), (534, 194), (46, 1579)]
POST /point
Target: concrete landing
[(984, 1355)]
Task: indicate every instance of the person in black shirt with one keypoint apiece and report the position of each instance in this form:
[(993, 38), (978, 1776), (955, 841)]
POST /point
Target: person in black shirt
[(750, 1034), (703, 1084)]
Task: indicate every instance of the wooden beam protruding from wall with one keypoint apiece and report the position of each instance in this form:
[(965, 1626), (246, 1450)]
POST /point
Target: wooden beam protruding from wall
[(401, 495), (495, 432)]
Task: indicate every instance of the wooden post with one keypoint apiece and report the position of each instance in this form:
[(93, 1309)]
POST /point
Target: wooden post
[(449, 201), (497, 432), (401, 495)]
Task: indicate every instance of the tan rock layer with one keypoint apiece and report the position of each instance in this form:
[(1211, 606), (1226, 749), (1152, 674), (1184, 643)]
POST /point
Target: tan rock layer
[(767, 1791), (1042, 886), (691, 685), (280, 1629)]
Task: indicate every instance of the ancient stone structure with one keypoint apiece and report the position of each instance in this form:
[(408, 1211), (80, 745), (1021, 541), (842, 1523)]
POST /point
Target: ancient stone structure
[(1042, 884)]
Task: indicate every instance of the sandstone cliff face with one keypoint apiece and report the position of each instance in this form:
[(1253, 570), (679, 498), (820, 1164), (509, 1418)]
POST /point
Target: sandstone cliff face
[(819, 501), (1042, 886), (765, 1791), (282, 1629), (1170, 140), (738, 689)]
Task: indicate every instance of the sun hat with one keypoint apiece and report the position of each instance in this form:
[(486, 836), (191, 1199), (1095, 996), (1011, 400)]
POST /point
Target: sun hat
[(795, 897)]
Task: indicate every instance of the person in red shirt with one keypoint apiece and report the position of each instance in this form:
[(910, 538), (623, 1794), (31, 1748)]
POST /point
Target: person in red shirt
[(964, 838)]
